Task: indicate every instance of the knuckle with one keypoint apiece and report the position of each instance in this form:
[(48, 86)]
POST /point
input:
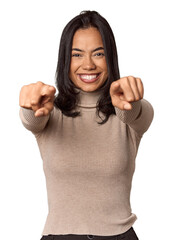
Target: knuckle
[(39, 83), (131, 77), (139, 80), (124, 82), (27, 105), (130, 99), (114, 83), (26, 88), (137, 98), (52, 89), (22, 104), (125, 79), (45, 89), (33, 102), (112, 86)]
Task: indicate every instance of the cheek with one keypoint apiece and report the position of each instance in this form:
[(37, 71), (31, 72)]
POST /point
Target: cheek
[(71, 71), (75, 63), (105, 71), (104, 65)]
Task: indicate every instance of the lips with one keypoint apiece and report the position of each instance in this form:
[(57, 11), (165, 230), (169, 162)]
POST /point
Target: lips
[(89, 78)]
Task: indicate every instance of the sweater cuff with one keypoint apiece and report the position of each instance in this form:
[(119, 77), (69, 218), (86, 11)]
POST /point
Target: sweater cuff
[(32, 123), (128, 116)]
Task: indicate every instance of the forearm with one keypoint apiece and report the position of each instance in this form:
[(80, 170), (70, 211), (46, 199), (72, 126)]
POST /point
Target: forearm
[(32, 123), (139, 118), (128, 116)]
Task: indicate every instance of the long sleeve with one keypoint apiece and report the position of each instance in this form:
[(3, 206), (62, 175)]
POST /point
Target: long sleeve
[(139, 118), (89, 167), (32, 123)]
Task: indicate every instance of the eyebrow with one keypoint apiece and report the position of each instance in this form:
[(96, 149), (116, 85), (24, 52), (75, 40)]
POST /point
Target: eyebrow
[(79, 50)]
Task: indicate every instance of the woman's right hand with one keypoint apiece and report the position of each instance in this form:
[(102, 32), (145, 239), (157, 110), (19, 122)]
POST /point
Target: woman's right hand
[(39, 97)]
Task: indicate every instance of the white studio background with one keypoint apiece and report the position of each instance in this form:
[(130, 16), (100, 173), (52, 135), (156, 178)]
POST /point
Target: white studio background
[(30, 34)]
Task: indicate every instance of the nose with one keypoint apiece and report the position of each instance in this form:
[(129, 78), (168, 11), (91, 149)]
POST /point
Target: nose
[(88, 64)]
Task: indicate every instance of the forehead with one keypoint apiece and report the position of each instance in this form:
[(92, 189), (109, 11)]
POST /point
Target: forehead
[(87, 38)]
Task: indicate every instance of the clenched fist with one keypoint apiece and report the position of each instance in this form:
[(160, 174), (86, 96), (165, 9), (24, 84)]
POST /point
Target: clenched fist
[(126, 90), (39, 97)]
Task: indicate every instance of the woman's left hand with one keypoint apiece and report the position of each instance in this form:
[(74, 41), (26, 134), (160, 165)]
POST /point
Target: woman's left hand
[(126, 90)]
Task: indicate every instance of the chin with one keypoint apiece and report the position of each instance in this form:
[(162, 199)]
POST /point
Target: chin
[(89, 88)]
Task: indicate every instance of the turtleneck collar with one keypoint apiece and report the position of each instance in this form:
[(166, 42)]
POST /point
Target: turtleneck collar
[(88, 99)]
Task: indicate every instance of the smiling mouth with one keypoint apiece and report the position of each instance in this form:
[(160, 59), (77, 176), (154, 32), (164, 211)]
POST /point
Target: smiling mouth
[(88, 78)]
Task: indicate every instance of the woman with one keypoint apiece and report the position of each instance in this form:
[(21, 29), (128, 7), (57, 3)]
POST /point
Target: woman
[(88, 163)]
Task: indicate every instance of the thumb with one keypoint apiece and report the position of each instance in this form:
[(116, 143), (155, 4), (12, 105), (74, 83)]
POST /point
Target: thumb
[(118, 103), (115, 88)]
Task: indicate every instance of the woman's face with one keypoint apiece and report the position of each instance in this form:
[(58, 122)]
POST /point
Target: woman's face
[(88, 68)]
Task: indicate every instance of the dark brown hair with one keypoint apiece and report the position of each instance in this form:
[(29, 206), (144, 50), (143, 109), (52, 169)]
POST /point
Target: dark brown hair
[(67, 97)]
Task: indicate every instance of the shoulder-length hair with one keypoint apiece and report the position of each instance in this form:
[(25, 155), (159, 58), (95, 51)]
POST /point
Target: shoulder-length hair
[(67, 96)]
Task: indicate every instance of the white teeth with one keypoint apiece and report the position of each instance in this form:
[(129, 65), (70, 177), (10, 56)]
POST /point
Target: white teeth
[(88, 77)]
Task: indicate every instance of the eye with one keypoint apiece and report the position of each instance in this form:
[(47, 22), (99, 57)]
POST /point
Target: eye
[(76, 55), (99, 54)]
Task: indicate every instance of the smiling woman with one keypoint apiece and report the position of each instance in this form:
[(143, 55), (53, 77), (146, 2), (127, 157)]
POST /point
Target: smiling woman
[(87, 60), (88, 167), (88, 68)]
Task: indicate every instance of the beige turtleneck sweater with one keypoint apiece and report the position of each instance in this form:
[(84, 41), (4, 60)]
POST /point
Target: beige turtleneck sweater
[(89, 167)]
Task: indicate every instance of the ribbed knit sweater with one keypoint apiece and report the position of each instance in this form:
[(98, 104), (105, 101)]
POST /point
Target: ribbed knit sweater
[(89, 167)]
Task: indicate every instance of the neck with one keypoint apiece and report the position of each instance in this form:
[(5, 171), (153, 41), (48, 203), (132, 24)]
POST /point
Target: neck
[(88, 99)]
